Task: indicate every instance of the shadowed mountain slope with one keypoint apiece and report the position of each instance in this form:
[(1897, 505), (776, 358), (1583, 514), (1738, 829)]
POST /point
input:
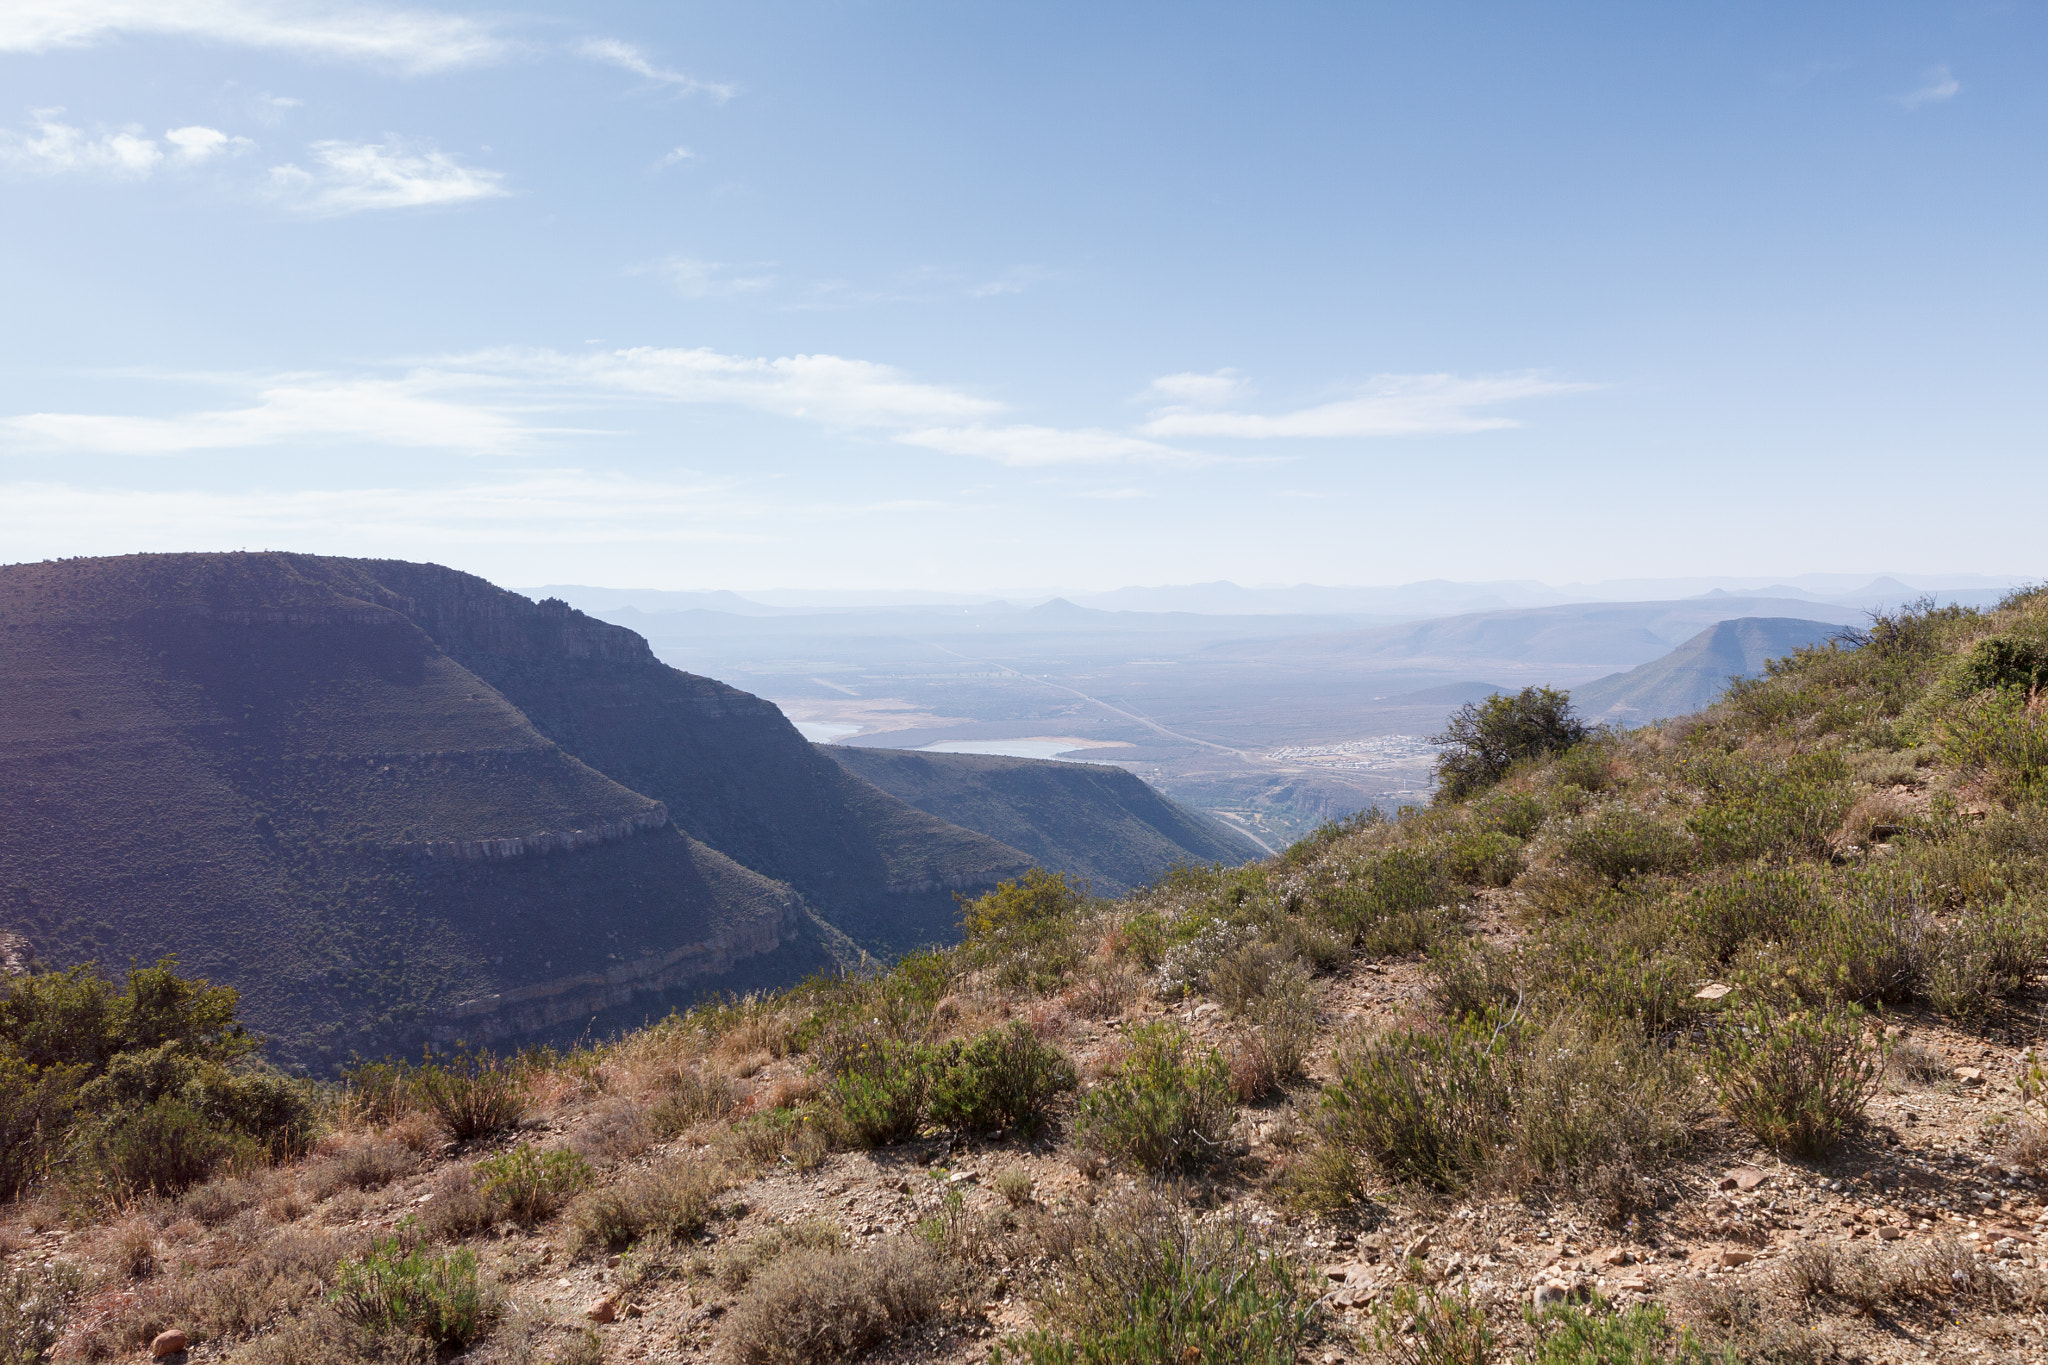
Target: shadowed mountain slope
[(318, 780), (1691, 677), (1090, 820)]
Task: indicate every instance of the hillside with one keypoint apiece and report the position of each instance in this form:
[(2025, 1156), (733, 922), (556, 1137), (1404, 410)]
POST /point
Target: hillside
[(1694, 675), (1710, 1041), (1092, 821), (391, 802)]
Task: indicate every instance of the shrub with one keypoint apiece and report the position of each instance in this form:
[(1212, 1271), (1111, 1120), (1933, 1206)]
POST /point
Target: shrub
[(1621, 841), (1761, 806), (698, 1096), (35, 1112), (1795, 1080), (2004, 661), (1985, 956), (1518, 815), (164, 1149), (32, 1308), (1165, 1107), (1482, 740), (1425, 1104), (1484, 858), (1414, 1327), (1015, 1187), (672, 1200), (1149, 1287), (1280, 1028), (1392, 901), (1003, 1079), (2004, 734), (1639, 1336), (815, 1306), (527, 1185), (391, 1289), (879, 1095), (472, 1096)]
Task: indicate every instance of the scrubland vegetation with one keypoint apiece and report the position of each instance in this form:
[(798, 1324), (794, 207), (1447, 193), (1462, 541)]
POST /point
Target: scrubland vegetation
[(1701, 1042)]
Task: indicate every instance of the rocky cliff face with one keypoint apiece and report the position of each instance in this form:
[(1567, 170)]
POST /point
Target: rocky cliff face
[(392, 803)]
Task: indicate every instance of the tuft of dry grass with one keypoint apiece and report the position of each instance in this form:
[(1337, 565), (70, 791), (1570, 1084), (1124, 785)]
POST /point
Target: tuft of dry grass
[(674, 1198), (816, 1306)]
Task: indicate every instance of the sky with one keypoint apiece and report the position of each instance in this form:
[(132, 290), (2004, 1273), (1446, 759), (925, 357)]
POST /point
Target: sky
[(960, 296)]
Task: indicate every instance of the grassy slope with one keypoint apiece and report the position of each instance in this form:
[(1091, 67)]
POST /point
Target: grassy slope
[(1089, 820), (1861, 827)]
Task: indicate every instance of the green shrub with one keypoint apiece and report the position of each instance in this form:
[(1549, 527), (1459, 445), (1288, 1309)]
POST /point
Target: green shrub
[(163, 1148), (698, 1096), (1621, 841), (1003, 1079), (1391, 901), (1751, 905), (1985, 956), (1024, 929), (1516, 814), (1485, 858), (1426, 1104), (2002, 662), (1639, 1336), (2003, 734), (1166, 1106), (36, 1105), (1762, 805), (527, 1185), (1795, 1080), (879, 1094), (473, 1096), (1149, 1287), (1417, 1327), (391, 1289), (1482, 740)]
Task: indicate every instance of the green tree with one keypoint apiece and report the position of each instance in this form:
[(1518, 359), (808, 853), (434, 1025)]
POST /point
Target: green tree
[(1484, 739)]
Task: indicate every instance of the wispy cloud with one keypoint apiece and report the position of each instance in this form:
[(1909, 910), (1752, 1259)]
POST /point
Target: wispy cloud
[(1032, 445), (675, 157), (356, 177), (52, 147), (1197, 390), (1387, 405), (695, 279), (405, 413), (407, 40), (1935, 87), (627, 57)]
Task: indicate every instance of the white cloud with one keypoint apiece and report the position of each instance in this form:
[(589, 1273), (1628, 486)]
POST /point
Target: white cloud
[(1938, 85), (627, 57), (290, 411), (828, 389), (195, 144), (408, 40), (55, 148), (355, 177), (1029, 445), (675, 158), (695, 279), (1200, 390), (1387, 405)]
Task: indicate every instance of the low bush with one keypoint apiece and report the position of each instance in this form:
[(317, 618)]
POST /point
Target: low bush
[(32, 1308), (391, 1289), (1621, 841), (527, 1185), (2004, 736), (1393, 901), (1147, 1286), (471, 1095), (1795, 1080), (1986, 955), (1484, 858), (1766, 806), (1004, 1078), (811, 1307), (1638, 1336), (1425, 1104), (697, 1097), (1165, 1107), (1424, 1327), (737, 1265), (674, 1199)]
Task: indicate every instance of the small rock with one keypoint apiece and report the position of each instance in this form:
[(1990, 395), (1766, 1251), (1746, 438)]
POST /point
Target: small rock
[(612, 1262), (167, 1343), (1890, 1234), (903, 1185), (1970, 1075), (1747, 1177), (602, 1309), (1418, 1248), (1713, 990), (1618, 1256), (633, 1310), (1207, 1008), (1730, 1259), (1547, 1295), (1633, 1283)]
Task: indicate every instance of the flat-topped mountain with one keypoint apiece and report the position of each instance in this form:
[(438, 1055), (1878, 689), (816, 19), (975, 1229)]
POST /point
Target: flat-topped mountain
[(1091, 820), (391, 802)]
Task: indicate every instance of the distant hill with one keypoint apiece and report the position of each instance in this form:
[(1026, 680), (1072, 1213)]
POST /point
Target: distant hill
[(1691, 676), (1581, 634), (391, 802), (1089, 820)]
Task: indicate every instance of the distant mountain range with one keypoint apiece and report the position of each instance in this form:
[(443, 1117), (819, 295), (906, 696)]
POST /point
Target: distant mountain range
[(1694, 675), (1094, 821)]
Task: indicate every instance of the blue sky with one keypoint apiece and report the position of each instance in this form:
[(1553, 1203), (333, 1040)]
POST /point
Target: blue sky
[(972, 296)]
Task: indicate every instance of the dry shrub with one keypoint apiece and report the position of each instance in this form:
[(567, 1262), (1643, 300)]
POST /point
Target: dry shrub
[(457, 1207), (673, 1199), (1749, 1327), (2026, 1145), (787, 1092), (129, 1248), (1105, 989), (1795, 1079), (1918, 1064), (217, 1201), (1929, 1276), (694, 1097), (617, 1131), (811, 1307), (325, 1337), (368, 1163), (737, 1266), (1876, 817), (756, 1030)]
